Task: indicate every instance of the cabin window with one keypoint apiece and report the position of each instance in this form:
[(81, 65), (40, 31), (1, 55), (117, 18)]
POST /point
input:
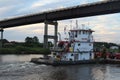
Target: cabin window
[(76, 34), (89, 44), (70, 59), (79, 44), (71, 54), (69, 33), (90, 32), (86, 32), (83, 32), (72, 34), (79, 32)]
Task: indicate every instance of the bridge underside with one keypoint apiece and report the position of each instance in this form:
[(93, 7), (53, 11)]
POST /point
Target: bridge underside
[(67, 13)]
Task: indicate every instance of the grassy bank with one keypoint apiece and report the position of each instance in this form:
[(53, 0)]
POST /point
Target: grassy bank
[(24, 50)]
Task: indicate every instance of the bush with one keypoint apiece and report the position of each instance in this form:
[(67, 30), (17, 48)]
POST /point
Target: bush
[(7, 51), (38, 51), (25, 50), (21, 49), (31, 46)]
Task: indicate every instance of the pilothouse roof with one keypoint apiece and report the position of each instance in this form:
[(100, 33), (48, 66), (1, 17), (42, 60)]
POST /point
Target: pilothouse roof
[(88, 30)]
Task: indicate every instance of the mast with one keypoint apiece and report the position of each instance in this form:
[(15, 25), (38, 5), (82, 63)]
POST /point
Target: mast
[(76, 24), (70, 24), (59, 36)]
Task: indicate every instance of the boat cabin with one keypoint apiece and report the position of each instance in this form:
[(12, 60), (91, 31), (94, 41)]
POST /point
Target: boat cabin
[(78, 47)]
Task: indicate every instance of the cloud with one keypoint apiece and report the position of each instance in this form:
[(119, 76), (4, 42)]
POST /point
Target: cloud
[(21, 32), (107, 28), (11, 8), (42, 3), (3, 10), (38, 5), (28, 28), (46, 5)]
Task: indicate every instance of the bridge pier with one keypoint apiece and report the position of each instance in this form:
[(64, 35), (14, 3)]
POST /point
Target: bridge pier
[(1, 39), (46, 36)]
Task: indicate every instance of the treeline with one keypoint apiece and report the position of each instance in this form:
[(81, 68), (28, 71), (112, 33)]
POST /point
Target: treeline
[(24, 50), (99, 45), (31, 45), (28, 42), (105, 44)]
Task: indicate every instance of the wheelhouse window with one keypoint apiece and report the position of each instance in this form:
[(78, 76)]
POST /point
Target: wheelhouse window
[(71, 54), (76, 34), (83, 32), (79, 44), (79, 32)]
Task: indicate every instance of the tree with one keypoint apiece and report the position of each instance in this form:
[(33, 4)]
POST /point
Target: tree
[(32, 41), (28, 40), (4, 41), (35, 39)]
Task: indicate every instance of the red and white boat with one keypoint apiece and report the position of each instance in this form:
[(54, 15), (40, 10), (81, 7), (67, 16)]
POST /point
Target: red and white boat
[(79, 46)]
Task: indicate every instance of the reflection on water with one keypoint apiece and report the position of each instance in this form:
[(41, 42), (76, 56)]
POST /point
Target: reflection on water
[(60, 74), (24, 70), (99, 73), (86, 72)]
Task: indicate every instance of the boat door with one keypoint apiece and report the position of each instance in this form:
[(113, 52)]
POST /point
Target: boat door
[(76, 57)]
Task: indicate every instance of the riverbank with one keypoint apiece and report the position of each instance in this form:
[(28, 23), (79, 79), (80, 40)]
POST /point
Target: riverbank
[(24, 50)]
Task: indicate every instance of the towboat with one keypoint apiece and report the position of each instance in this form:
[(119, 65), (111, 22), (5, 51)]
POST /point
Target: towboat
[(79, 46)]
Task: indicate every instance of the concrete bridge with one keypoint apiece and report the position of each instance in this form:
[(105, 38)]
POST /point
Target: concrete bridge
[(51, 17)]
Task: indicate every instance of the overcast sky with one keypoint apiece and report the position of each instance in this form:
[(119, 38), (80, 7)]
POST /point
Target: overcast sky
[(106, 27)]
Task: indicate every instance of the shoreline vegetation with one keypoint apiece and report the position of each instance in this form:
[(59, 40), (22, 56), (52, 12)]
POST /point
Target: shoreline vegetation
[(30, 46), (25, 50)]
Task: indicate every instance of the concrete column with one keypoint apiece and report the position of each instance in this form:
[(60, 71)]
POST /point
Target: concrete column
[(45, 35), (1, 42), (55, 33)]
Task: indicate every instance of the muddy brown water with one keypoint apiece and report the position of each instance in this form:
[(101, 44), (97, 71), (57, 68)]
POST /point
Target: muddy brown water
[(18, 67)]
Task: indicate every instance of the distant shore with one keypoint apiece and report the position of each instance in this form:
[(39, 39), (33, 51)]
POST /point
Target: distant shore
[(25, 50)]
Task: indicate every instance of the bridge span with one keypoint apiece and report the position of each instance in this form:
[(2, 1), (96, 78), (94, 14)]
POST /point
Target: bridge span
[(50, 17), (98, 8)]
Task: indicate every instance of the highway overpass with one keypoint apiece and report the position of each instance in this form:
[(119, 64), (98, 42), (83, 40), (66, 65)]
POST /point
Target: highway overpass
[(85, 10)]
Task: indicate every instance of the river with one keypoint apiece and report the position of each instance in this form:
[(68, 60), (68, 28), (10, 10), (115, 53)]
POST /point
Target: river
[(18, 67)]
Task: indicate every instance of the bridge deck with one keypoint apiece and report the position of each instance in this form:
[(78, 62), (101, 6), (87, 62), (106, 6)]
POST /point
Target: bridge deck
[(66, 13)]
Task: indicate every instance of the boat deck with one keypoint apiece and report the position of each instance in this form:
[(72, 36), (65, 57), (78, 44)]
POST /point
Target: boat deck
[(58, 63)]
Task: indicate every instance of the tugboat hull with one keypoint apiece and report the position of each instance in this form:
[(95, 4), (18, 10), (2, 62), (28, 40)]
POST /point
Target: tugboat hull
[(63, 63)]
